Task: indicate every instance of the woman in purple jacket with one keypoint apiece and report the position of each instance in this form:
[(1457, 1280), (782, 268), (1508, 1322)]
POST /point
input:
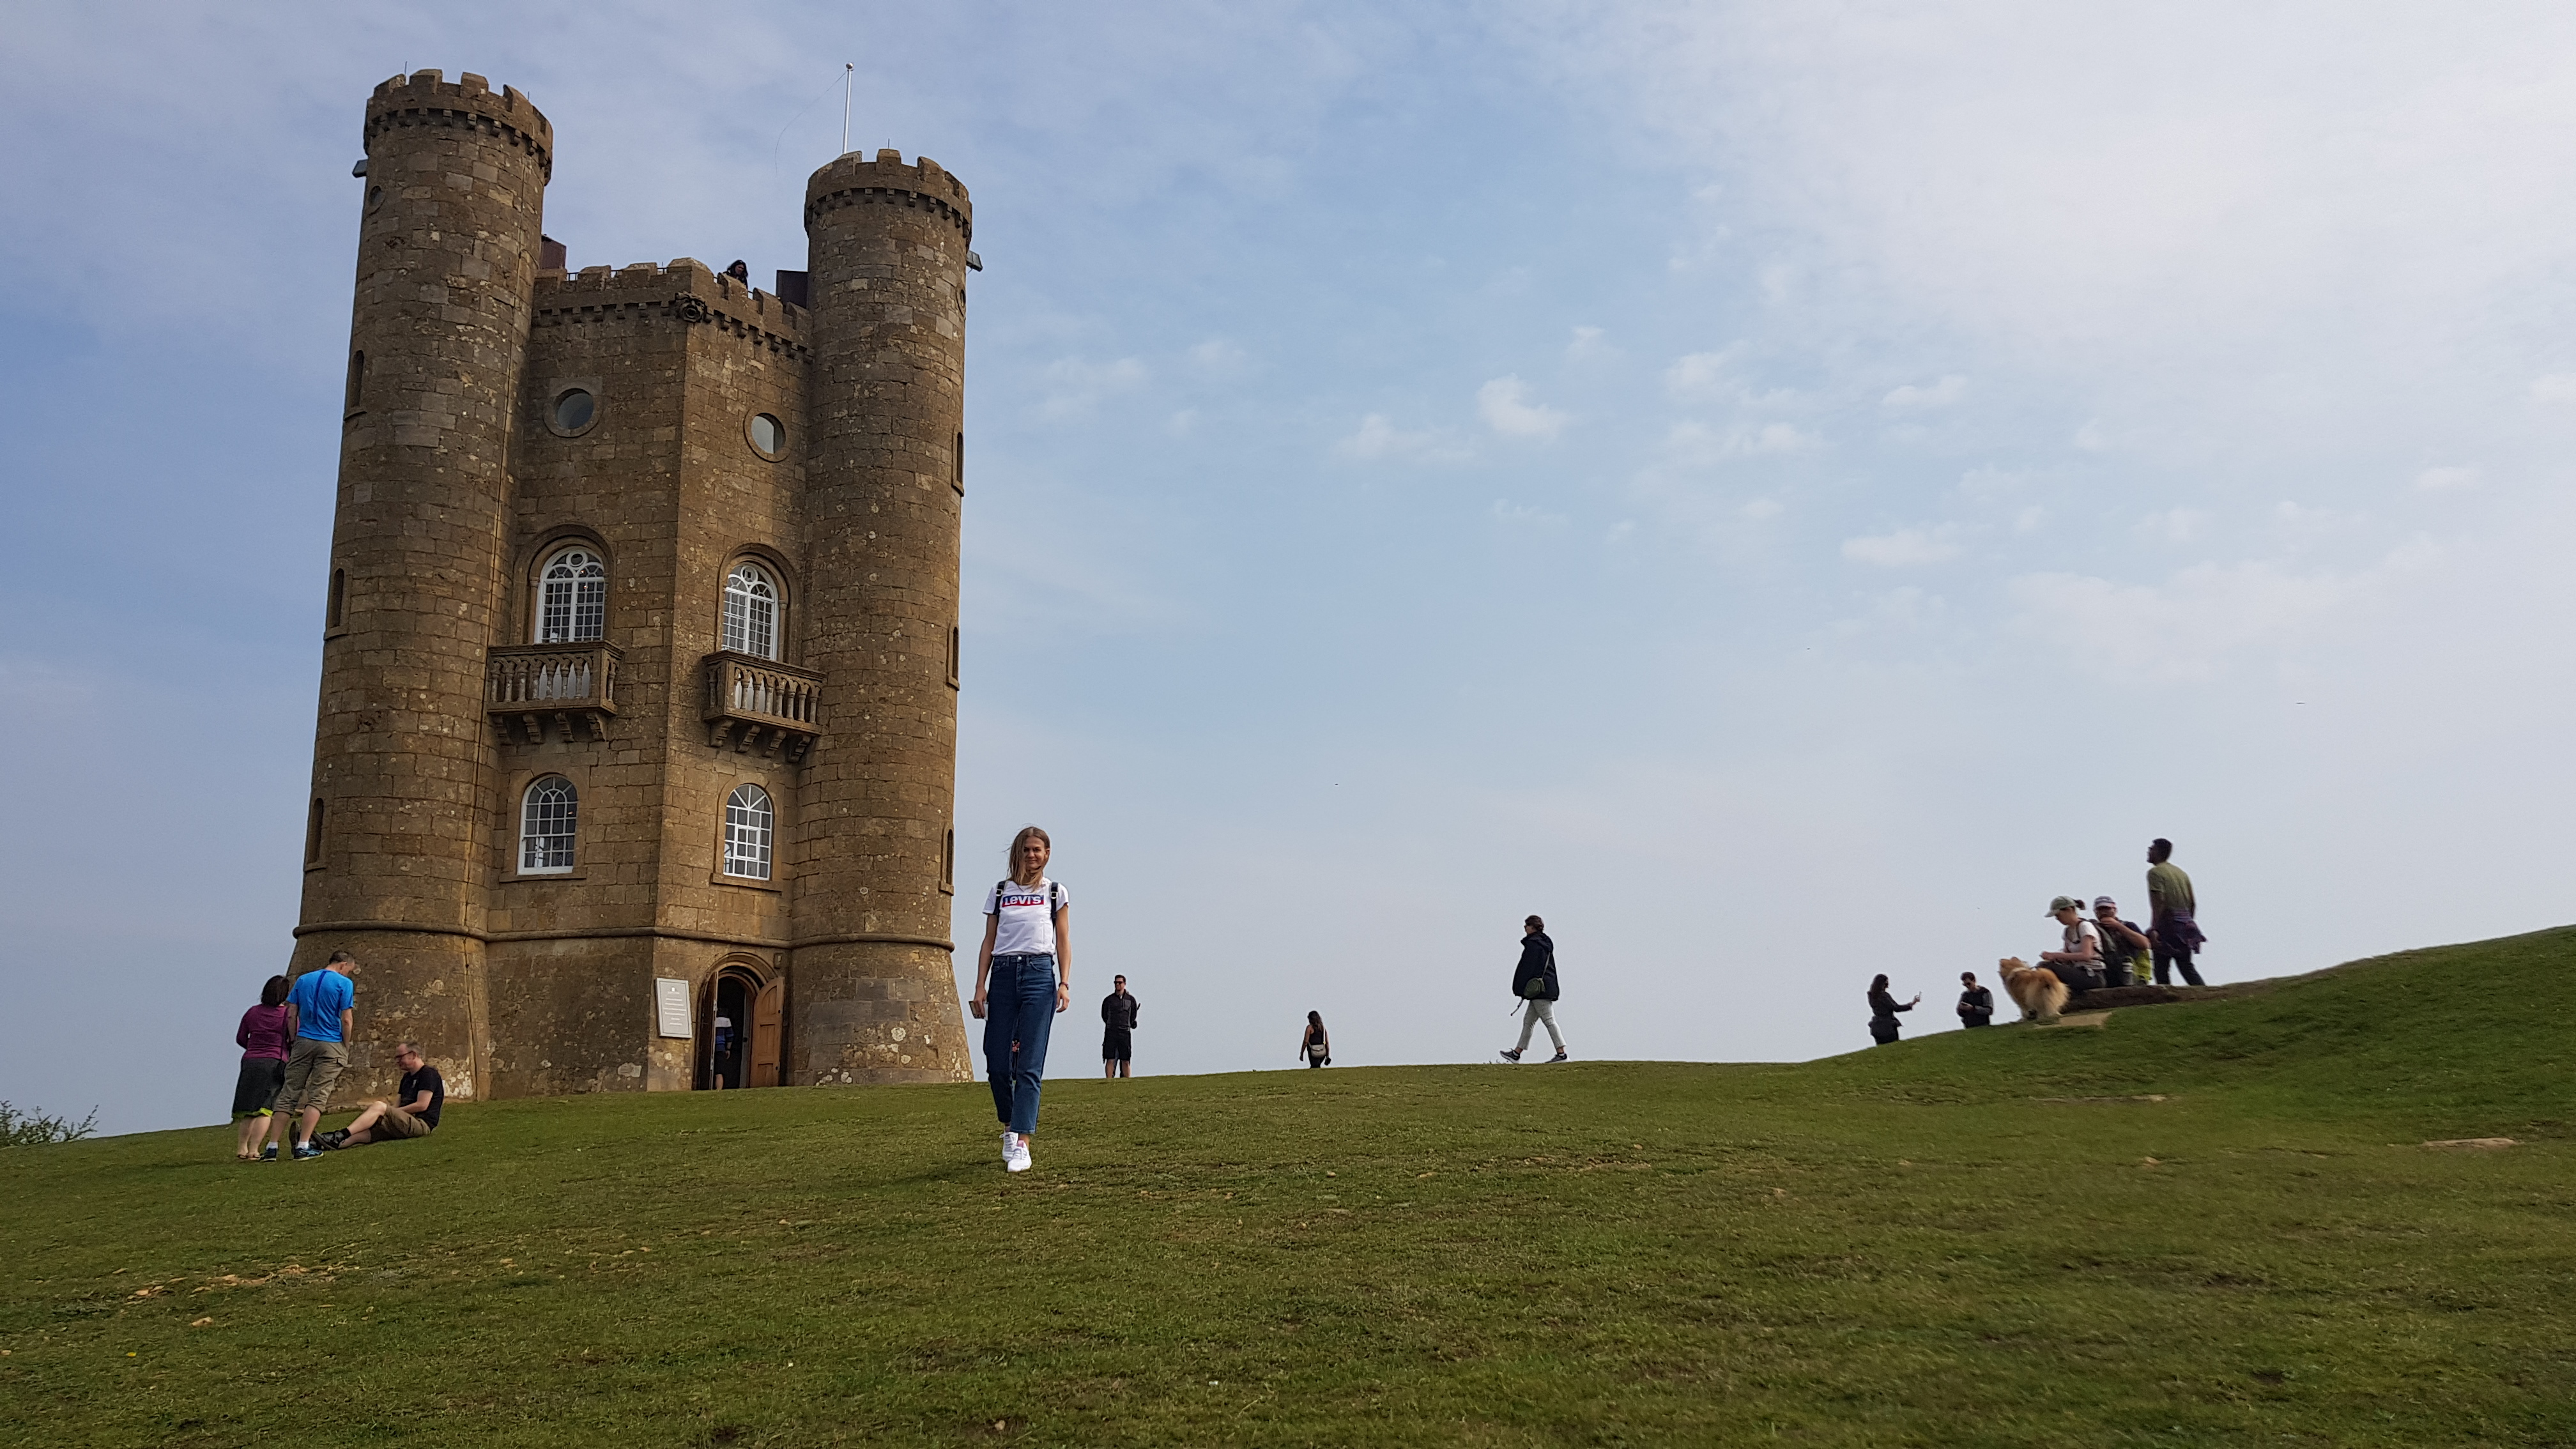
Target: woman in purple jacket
[(264, 1035)]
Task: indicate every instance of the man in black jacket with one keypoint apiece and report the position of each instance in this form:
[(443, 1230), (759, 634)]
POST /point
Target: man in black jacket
[(1534, 981), (1118, 1020), (1976, 1003)]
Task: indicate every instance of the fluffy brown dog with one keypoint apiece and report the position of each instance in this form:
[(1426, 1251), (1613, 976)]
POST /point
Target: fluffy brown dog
[(2041, 994)]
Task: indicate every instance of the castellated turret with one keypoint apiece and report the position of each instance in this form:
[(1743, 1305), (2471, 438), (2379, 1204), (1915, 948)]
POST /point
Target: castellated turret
[(637, 734)]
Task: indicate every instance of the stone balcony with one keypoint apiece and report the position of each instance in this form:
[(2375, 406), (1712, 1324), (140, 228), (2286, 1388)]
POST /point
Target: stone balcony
[(529, 689), (752, 701)]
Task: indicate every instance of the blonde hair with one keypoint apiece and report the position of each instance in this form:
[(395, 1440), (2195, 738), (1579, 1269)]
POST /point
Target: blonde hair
[(1027, 833)]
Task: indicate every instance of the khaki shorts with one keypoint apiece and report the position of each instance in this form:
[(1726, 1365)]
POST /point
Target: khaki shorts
[(398, 1124), (312, 1070)]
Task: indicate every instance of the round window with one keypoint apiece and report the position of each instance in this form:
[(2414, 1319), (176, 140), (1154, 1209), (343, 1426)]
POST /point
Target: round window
[(574, 408), (768, 435)]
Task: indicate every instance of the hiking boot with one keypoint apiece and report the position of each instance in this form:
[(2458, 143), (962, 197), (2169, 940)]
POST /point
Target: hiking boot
[(1511, 1054), (1552, 1061), (304, 1150)]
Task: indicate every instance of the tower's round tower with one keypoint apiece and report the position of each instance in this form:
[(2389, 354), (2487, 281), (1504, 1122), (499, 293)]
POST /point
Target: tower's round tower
[(871, 993), (399, 836)]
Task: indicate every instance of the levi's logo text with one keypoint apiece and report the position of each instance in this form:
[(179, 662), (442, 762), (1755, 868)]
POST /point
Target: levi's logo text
[(1021, 900)]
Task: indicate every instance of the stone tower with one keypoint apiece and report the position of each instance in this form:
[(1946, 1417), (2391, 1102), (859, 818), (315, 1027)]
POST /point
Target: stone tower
[(637, 732)]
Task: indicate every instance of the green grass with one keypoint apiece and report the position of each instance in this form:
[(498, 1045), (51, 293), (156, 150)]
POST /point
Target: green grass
[(1913, 1245)]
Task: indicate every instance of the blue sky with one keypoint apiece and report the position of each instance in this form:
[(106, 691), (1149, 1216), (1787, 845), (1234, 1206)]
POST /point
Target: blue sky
[(1780, 492)]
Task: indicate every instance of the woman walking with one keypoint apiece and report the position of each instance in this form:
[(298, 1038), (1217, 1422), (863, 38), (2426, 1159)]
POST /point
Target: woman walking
[(1883, 1008), (1316, 1046), (1023, 977), (263, 1037)]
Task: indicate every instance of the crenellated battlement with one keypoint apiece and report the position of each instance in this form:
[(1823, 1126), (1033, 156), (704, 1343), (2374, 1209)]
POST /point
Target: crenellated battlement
[(423, 98), (854, 180), (687, 290)]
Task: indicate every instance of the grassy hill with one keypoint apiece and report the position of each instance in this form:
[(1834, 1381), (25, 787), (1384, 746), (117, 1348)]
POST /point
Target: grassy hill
[(1982, 1238)]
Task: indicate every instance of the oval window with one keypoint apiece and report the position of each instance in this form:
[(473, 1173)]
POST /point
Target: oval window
[(574, 410), (768, 435), (375, 197)]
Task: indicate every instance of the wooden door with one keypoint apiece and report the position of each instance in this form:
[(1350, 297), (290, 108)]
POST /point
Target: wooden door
[(766, 1010)]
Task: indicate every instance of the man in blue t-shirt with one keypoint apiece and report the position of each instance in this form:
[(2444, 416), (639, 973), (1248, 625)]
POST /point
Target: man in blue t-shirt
[(318, 1010)]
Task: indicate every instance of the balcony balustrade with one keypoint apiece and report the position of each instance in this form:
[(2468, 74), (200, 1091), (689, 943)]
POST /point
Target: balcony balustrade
[(752, 701), (531, 688)]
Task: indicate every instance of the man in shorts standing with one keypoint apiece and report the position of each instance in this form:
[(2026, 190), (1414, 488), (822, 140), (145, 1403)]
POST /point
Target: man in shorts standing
[(423, 1093), (321, 1005), (1117, 1040)]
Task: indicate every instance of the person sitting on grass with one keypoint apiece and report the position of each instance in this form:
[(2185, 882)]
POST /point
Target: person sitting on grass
[(424, 1092), (2079, 965)]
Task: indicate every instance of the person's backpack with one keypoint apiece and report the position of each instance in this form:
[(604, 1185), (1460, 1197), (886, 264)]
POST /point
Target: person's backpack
[(1055, 896)]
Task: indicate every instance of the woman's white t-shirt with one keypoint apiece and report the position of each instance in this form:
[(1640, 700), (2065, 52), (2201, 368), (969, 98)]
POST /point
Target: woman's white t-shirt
[(2075, 935), (1027, 919)]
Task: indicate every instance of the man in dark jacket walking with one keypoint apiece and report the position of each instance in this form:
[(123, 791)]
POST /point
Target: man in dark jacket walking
[(1534, 981), (1117, 1021)]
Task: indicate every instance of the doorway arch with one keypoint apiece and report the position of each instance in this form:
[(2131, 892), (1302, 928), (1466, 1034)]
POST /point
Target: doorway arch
[(742, 1007)]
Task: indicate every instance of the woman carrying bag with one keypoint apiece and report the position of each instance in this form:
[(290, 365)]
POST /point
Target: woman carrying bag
[(1534, 981), (1316, 1046)]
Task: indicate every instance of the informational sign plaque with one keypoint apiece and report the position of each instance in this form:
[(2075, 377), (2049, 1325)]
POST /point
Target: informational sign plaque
[(672, 997)]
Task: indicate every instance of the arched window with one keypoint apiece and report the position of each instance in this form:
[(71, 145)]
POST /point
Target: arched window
[(572, 598), (546, 823), (747, 833), (751, 612)]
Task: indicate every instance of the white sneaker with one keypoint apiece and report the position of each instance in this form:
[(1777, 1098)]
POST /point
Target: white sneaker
[(1017, 1158), (1006, 1144)]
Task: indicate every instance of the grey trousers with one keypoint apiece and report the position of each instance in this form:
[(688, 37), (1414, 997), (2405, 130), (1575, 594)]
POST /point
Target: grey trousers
[(1539, 1011)]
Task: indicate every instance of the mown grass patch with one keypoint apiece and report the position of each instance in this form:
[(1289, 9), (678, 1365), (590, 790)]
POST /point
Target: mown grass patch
[(1978, 1239)]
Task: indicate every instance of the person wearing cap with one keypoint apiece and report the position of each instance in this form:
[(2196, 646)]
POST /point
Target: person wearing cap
[(2125, 948), (2079, 965)]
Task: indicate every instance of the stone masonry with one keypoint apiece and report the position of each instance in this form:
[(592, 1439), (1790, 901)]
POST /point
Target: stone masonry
[(725, 425)]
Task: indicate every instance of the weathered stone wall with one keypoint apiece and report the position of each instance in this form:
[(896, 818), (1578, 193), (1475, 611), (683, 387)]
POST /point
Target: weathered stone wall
[(872, 998), (403, 766), (459, 483)]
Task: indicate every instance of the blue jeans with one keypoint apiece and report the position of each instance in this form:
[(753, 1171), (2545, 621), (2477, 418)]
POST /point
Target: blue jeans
[(1019, 1011)]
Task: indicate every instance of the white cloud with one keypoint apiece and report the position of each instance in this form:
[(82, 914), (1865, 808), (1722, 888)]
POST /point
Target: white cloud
[(1073, 386), (1937, 395), (2557, 387), (1505, 406), (2173, 525), (1377, 439), (1699, 443), (1718, 377), (1587, 346), (1906, 547), (2187, 629), (1760, 508), (1529, 513), (1217, 355), (2444, 480)]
